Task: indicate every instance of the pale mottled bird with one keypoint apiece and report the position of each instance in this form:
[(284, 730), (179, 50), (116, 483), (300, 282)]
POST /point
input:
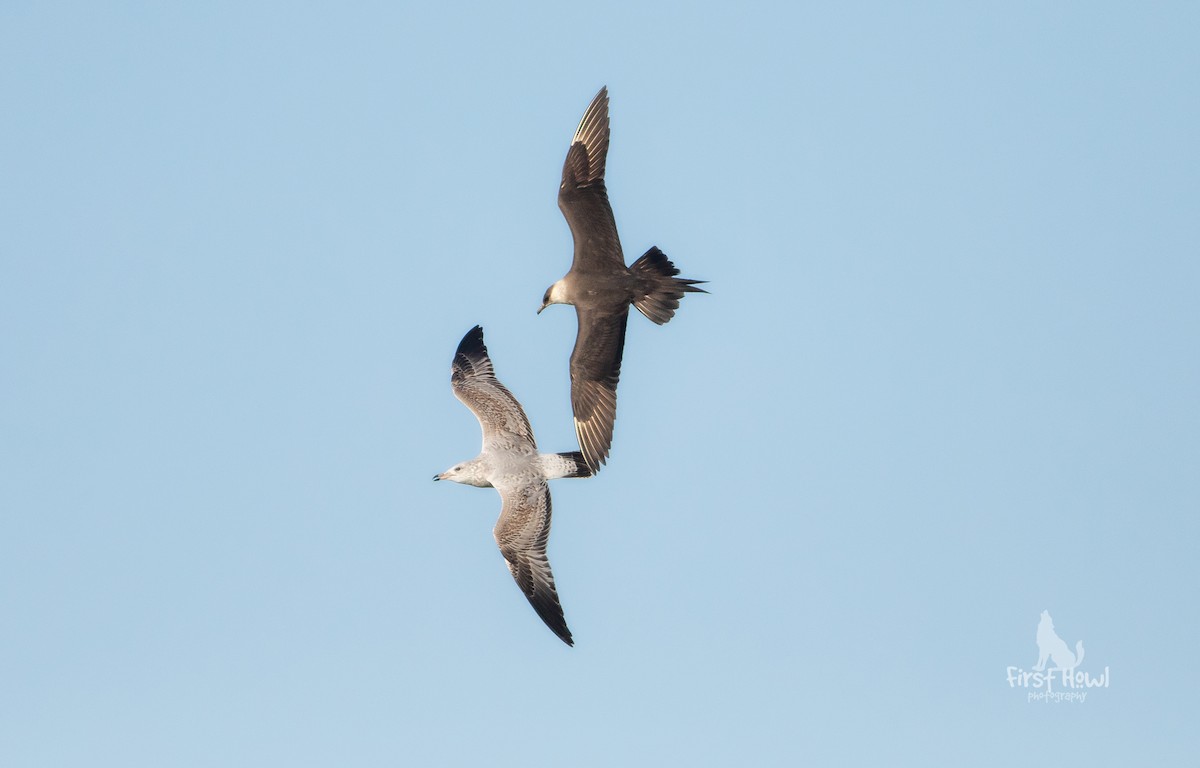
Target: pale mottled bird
[(510, 463), (601, 287)]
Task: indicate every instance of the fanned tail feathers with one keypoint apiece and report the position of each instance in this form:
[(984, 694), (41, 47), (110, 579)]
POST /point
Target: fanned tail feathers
[(660, 290)]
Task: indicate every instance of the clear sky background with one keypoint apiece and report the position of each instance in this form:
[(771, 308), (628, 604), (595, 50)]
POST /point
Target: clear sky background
[(947, 378)]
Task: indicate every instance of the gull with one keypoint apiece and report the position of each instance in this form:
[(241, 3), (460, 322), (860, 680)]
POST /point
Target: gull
[(601, 287), (510, 463)]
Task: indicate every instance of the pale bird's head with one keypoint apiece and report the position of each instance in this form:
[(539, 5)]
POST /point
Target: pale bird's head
[(466, 473)]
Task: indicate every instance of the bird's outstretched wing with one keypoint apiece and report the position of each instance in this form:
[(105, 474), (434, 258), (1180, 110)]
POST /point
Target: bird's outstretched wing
[(582, 196), (595, 370), (475, 384), (522, 533)]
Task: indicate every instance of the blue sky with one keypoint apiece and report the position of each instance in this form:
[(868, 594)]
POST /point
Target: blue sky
[(946, 379)]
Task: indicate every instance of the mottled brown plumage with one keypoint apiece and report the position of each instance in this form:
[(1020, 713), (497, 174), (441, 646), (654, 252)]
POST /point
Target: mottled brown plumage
[(510, 463)]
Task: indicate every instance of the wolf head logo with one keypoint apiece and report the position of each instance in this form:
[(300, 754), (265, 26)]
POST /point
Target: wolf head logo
[(1052, 647)]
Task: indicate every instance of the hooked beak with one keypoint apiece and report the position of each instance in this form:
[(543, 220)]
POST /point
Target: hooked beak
[(541, 308), (437, 477)]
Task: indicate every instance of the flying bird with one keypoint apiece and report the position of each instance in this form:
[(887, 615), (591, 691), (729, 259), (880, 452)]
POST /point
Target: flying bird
[(601, 287), (510, 463)]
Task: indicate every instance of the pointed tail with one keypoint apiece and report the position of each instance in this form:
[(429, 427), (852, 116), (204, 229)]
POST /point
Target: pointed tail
[(658, 287)]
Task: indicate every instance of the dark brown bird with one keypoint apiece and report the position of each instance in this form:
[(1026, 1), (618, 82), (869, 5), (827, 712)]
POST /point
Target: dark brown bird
[(601, 287)]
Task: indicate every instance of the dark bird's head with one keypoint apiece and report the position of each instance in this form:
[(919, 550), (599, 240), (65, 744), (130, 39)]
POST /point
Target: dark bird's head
[(555, 294)]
